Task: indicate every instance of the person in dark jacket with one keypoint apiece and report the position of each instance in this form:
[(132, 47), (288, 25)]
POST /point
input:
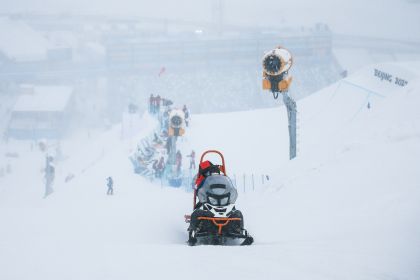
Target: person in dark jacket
[(168, 145), (110, 185), (152, 104), (178, 161), (160, 167), (192, 159), (186, 114), (157, 103)]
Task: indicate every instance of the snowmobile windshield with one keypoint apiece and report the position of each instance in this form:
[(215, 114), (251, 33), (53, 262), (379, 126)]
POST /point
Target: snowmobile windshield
[(217, 190), (218, 200)]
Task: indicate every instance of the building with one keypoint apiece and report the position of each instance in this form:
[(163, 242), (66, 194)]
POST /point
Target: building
[(41, 112), (29, 56)]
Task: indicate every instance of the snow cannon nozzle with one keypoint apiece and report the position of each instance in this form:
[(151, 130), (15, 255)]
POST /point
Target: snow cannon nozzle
[(276, 64), (176, 123)]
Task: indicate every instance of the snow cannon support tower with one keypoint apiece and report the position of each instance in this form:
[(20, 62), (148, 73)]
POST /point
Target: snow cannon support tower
[(276, 65), (176, 128)]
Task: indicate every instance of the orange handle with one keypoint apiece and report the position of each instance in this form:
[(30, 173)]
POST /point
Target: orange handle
[(223, 166), (215, 221)]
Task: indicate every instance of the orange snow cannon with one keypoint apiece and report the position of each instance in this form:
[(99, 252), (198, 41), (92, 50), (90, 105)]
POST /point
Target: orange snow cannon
[(276, 64)]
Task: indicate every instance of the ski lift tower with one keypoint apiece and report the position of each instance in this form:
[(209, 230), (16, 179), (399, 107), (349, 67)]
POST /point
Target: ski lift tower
[(276, 64)]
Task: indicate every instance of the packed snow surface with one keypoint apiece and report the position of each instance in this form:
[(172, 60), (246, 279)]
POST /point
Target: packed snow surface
[(348, 207)]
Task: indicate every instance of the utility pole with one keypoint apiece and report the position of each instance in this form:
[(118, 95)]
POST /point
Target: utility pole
[(217, 15), (291, 117)]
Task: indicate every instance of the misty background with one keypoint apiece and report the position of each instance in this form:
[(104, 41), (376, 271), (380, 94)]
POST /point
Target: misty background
[(379, 18), (93, 60), (75, 81)]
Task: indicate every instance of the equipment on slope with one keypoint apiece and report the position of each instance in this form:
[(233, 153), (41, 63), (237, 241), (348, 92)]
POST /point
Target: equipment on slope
[(176, 123), (276, 65), (214, 219), (176, 128)]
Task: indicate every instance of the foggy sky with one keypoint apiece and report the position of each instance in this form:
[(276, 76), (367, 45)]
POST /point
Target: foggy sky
[(381, 18)]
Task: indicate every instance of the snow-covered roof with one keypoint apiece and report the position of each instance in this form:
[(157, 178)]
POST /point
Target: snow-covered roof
[(20, 42), (44, 98)]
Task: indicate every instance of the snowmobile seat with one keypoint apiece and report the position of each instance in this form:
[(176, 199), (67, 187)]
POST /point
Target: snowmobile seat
[(205, 169)]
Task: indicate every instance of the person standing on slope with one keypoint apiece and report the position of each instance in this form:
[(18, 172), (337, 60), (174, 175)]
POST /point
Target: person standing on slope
[(178, 161), (152, 104), (192, 159), (110, 185), (160, 167), (157, 104), (186, 114)]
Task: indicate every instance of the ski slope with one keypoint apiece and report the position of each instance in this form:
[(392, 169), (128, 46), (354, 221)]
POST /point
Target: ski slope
[(347, 208)]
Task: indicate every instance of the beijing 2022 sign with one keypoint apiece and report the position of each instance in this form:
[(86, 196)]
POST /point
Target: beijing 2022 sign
[(388, 77)]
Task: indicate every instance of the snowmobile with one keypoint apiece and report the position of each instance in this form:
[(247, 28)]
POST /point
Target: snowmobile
[(215, 219)]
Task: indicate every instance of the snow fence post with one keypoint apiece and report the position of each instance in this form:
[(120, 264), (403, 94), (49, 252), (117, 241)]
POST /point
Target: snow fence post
[(244, 183)]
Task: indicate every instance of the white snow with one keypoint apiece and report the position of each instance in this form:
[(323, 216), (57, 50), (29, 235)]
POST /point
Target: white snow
[(44, 98), (347, 208), (21, 43)]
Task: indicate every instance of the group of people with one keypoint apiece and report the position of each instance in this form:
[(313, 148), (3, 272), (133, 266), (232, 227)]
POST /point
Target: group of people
[(152, 157), (179, 160), (154, 104), (158, 168), (149, 159), (156, 101)]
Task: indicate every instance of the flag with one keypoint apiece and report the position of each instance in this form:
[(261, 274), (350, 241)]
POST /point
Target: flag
[(162, 70)]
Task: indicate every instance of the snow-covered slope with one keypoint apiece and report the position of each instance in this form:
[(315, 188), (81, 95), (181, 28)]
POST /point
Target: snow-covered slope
[(262, 135), (347, 208)]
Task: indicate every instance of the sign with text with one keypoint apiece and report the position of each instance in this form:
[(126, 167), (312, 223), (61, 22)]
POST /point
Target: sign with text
[(384, 76)]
